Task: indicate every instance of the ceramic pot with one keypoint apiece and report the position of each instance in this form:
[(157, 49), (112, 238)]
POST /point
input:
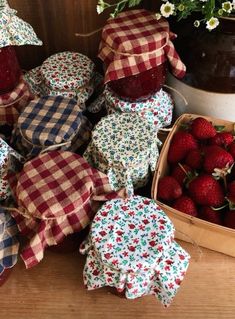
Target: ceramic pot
[(209, 56)]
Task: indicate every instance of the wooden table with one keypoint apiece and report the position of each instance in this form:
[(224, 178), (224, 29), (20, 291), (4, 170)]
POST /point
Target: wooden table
[(54, 289)]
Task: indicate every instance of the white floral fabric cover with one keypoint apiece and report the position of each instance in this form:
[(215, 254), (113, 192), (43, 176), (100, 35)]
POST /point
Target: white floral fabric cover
[(156, 109), (9, 159), (131, 247), (68, 74), (15, 31), (125, 147)]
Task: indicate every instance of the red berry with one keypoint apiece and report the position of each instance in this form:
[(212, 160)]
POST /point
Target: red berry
[(216, 157), (206, 191), (186, 205), (180, 173), (181, 143), (210, 215), (168, 188), (194, 159), (202, 129), (231, 192), (231, 149), (221, 139), (229, 220)]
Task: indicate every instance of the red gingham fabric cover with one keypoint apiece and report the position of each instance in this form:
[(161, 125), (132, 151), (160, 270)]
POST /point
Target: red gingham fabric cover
[(13, 102), (57, 193), (135, 41)]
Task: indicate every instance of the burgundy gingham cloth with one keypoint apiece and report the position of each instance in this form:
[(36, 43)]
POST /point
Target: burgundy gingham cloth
[(57, 193), (134, 42), (13, 102)]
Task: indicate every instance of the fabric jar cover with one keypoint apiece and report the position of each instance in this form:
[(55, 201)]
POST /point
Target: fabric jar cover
[(57, 194), (51, 122), (12, 103), (131, 247), (37, 86), (156, 110), (125, 147), (69, 74), (9, 160), (15, 31), (9, 244), (135, 41)]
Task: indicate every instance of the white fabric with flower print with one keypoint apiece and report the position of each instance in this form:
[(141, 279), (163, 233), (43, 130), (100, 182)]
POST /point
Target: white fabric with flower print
[(131, 247)]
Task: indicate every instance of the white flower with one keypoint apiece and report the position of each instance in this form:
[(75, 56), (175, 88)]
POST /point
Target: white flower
[(203, 0), (196, 23), (167, 9), (212, 23), (99, 9), (158, 16), (227, 6), (233, 4)]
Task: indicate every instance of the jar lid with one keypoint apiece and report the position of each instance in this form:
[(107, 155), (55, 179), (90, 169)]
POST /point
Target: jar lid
[(135, 41), (9, 244), (7, 162), (15, 31), (12, 97), (50, 120), (67, 71), (131, 235), (123, 139), (57, 194), (157, 109), (131, 247)]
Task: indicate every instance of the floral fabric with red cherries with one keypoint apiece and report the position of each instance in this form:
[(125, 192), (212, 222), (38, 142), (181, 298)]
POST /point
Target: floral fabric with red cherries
[(131, 247)]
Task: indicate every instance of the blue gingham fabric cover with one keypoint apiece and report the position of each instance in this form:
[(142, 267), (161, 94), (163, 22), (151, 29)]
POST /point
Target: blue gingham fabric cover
[(9, 244), (49, 121)]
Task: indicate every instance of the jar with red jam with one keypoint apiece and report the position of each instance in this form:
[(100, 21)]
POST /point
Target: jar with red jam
[(9, 69), (136, 49)]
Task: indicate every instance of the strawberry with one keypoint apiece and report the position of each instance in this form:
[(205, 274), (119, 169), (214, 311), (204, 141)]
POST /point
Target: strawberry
[(180, 173), (169, 188), (186, 205), (194, 159), (229, 220), (231, 149), (205, 190), (182, 142), (231, 192), (210, 215), (221, 139), (216, 157), (202, 129)]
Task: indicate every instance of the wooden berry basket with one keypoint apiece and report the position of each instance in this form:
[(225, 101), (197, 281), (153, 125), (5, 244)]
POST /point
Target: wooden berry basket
[(203, 233)]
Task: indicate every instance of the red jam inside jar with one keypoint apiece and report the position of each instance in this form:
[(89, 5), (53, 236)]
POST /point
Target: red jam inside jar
[(9, 69), (5, 275), (141, 85)]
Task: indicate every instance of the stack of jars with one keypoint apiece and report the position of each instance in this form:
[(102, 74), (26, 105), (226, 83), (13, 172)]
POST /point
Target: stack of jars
[(135, 49)]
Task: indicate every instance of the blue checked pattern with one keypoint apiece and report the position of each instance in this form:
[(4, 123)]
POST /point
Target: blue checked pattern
[(48, 121), (9, 244)]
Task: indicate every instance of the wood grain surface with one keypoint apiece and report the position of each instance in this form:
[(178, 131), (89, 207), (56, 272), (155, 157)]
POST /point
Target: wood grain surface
[(54, 289)]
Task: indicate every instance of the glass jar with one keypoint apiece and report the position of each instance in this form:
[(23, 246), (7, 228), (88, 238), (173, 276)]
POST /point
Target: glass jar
[(9, 69), (5, 275), (141, 85)]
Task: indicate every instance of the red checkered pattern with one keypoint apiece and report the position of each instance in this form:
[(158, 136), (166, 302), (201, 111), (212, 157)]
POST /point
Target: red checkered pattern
[(57, 194), (135, 41), (13, 102)]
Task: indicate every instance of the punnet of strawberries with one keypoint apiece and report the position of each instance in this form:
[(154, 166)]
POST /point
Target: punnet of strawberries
[(201, 179)]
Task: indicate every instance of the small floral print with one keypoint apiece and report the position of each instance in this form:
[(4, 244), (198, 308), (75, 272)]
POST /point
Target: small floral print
[(141, 263)]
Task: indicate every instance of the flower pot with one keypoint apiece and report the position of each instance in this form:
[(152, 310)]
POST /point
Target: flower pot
[(214, 104), (209, 56), (9, 69)]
